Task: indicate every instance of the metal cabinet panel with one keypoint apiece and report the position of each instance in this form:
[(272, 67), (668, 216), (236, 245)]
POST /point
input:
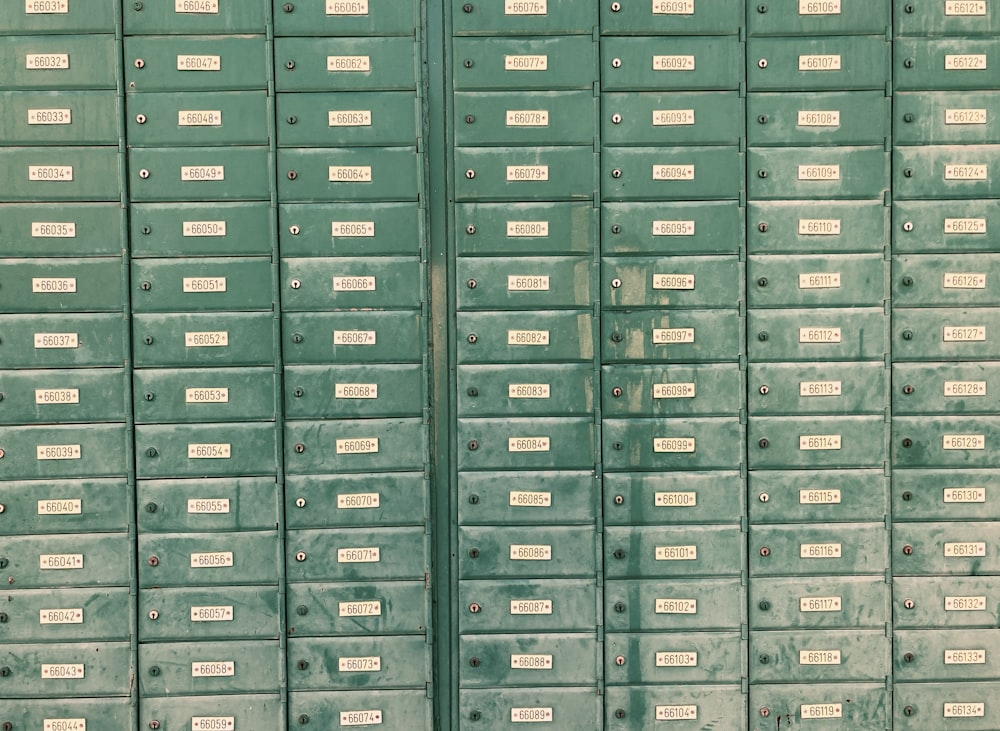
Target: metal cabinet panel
[(82, 229), (527, 660), (944, 226), (485, 229), (832, 227), (938, 602), (685, 444), (346, 17), (357, 555), (682, 336), (948, 388), (113, 714), (673, 173), (66, 670), (59, 61), (825, 441), (688, 281), (857, 333), (69, 615), (687, 708), (837, 602), (232, 613), (945, 548), (324, 501), (369, 608), (958, 654), (708, 17), (942, 64), (199, 174), (944, 171), (188, 120), (190, 16), (943, 117), (947, 441), (525, 118), (818, 172), (321, 663), (949, 494), (528, 498), (548, 64), (931, 18), (527, 605), (182, 712), (203, 339), (55, 17), (513, 337), (371, 445), (208, 559), (202, 505), (816, 280), (63, 285), (941, 334), (208, 668), (346, 119), (513, 18), (515, 552), (526, 443), (693, 64), (855, 706), (345, 64), (200, 229), (822, 496), (202, 450), (392, 707), (576, 707), (42, 452), (819, 656), (817, 388), (818, 118), (697, 657), (59, 118), (525, 173), (679, 605), (814, 17), (203, 394), (522, 390), (672, 228), (673, 390), (935, 280), (817, 64), (313, 392), (195, 63), (521, 283), (62, 396), (70, 506), (329, 283), (949, 706), (60, 174), (184, 285), (688, 118), (352, 337), (673, 551), (671, 498), (350, 229), (31, 341), (349, 174), (67, 560), (810, 550)]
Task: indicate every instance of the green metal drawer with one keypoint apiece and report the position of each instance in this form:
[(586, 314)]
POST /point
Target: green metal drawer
[(230, 613), (682, 64), (817, 227), (686, 118), (524, 173), (817, 442), (362, 608), (683, 336), (192, 120), (944, 226), (331, 501), (707, 17), (527, 229), (820, 656), (818, 118), (865, 707), (60, 174), (202, 450), (203, 505), (525, 117), (59, 117), (386, 118), (817, 173), (351, 229), (59, 561), (517, 17), (819, 602), (524, 63), (195, 16), (203, 339), (674, 552), (809, 550), (184, 285), (359, 554), (695, 657), (672, 498), (817, 388), (677, 605), (672, 173), (944, 494), (62, 396), (346, 17), (44, 452), (69, 670), (79, 229), (523, 390), (352, 337), (526, 443), (195, 63), (517, 552), (59, 61), (528, 605), (69, 615), (344, 663), (208, 668), (819, 17), (527, 660), (208, 559), (704, 228), (818, 64), (935, 602), (820, 496), (818, 334), (201, 229), (199, 174), (65, 506), (345, 64), (686, 707), (349, 174)]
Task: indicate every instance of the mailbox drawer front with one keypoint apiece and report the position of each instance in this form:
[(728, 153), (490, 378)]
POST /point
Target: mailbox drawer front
[(943, 64), (350, 229), (828, 441), (349, 174), (833, 62), (59, 118), (839, 602), (63, 285), (528, 660), (945, 548), (203, 505), (527, 229), (315, 17), (673, 173), (696, 657), (675, 605), (940, 280), (113, 714), (817, 388), (937, 602), (818, 334), (524, 63), (233, 613), (208, 668), (686, 118), (352, 337), (67, 560), (44, 452), (945, 334), (816, 281), (195, 63), (199, 174), (33, 341), (696, 64), (321, 663), (370, 445), (805, 550), (965, 494), (676, 390), (946, 441), (672, 228), (821, 496), (818, 118), (530, 498), (224, 118), (820, 656), (552, 16), (345, 64), (639, 708), (524, 283), (673, 552), (945, 171), (945, 654), (208, 559), (81, 229), (950, 388), (65, 506), (944, 226), (708, 17), (350, 283), (399, 707), (219, 450), (683, 336), (203, 394), (40, 17), (535, 337), (525, 118), (508, 709), (315, 392), (357, 555), (523, 443), (516, 552), (171, 285), (63, 396), (807, 17), (368, 608), (321, 501), (245, 710), (942, 117), (524, 173), (59, 62), (526, 605), (827, 227), (69, 615), (967, 705), (863, 707), (184, 17), (657, 444), (200, 229), (668, 282), (60, 174), (672, 498), (348, 118), (67, 670), (523, 390), (818, 172)]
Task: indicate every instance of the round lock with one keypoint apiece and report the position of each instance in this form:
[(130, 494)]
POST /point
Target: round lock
[(472, 284), (762, 173), (908, 389), (472, 338), (151, 452), (616, 283), (289, 65), (616, 337), (470, 229), (616, 63), (616, 7), (474, 662), (475, 716), (907, 550), (762, 282), (762, 63), (616, 119), (153, 561), (152, 507), (907, 496), (154, 670), (468, 63), (762, 227), (3, 618), (292, 119), (620, 713), (619, 499), (907, 172), (470, 173), (909, 603), (619, 553), (765, 712), (154, 615), (907, 710), (620, 660), (908, 63), (146, 286), (154, 724), (907, 335), (765, 551), (139, 63), (907, 281), (297, 337), (144, 174), (620, 607), (763, 659), (764, 497), (292, 175), (762, 336), (617, 392), (467, 8), (300, 448), (475, 608), (473, 445), (300, 556), (473, 499), (303, 718), (763, 443), (140, 118), (907, 118), (908, 657), (294, 230), (288, 7), (295, 284), (298, 392), (907, 443), (146, 230), (616, 229), (617, 446), (300, 502), (302, 665), (5, 672), (908, 9), (762, 119), (616, 173), (7, 726), (908, 226), (764, 390), (473, 392), (302, 610), (764, 605), (470, 119)]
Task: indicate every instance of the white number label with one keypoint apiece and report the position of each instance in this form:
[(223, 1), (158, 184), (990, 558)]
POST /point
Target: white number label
[(526, 63), (349, 173), (347, 7), (56, 340), (369, 664), (44, 396), (524, 552), (60, 616), (46, 61), (821, 710), (964, 280), (46, 7), (673, 281), (820, 550), (527, 229), (527, 283), (964, 334), (673, 117), (199, 118), (359, 555), (202, 173), (64, 724), (819, 280), (673, 228), (963, 441), (210, 451), (213, 723), (675, 499), (829, 118), (965, 225), (354, 337), (531, 715), (355, 390), (964, 388), (527, 337), (965, 62), (528, 444), (673, 172), (965, 7), (819, 227), (820, 604), (529, 499), (53, 285), (361, 718), (964, 710), (527, 118), (965, 116), (354, 284), (819, 657), (673, 335), (677, 713), (350, 118), (60, 561), (194, 285), (357, 446), (965, 657), (676, 553), (530, 607), (808, 389), (212, 339), (208, 7), (339, 64), (208, 506), (212, 614), (212, 560), (677, 659), (673, 445), (529, 390), (673, 63), (531, 662), (527, 173), (964, 549), (50, 173), (813, 442), (965, 603), (964, 495), (819, 334), (46, 230), (674, 390), (673, 7), (199, 63), (208, 669), (360, 609), (820, 173), (203, 228), (44, 452), (819, 62), (819, 7), (60, 507), (50, 116), (206, 395), (353, 229), (819, 497), (676, 606), (359, 501), (966, 172), (62, 671)]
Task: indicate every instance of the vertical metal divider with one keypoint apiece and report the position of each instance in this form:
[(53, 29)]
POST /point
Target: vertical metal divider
[(887, 288), (745, 370)]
